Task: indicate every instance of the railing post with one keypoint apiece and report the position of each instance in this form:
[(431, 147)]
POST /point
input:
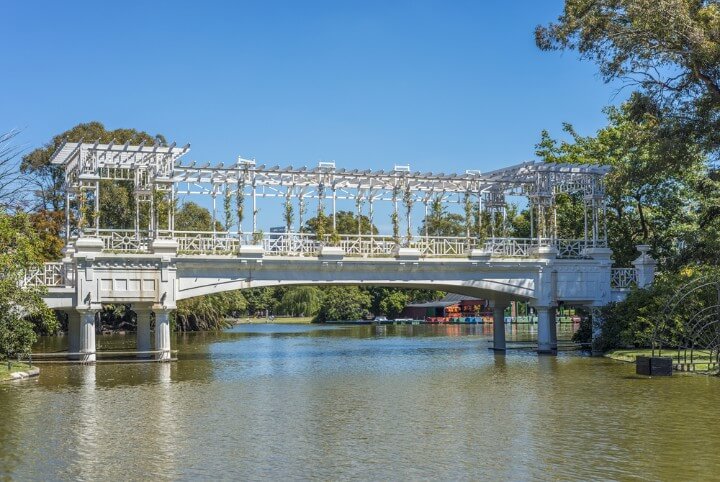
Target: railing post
[(645, 266)]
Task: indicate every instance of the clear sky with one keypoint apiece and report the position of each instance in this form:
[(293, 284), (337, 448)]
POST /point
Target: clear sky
[(442, 85)]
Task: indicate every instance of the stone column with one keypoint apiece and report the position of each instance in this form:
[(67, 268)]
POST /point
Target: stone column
[(553, 327), (87, 335), (143, 331), (499, 326), (544, 330), (73, 334), (162, 335), (645, 266)]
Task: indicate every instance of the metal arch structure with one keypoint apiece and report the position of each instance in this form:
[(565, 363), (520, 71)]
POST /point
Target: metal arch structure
[(157, 168), (690, 324)]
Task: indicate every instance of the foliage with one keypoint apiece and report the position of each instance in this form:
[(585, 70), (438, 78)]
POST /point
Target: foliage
[(650, 191), (20, 308), (301, 301), (343, 303), (193, 217), (260, 300), (346, 223), (227, 207), (408, 203), (209, 312), (440, 222), (668, 49), (51, 193), (240, 202), (393, 304), (288, 213)]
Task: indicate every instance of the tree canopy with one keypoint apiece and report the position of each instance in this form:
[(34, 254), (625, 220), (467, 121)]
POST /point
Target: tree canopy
[(669, 50), (21, 308)]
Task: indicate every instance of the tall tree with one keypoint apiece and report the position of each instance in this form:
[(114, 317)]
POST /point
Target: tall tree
[(667, 49), (20, 253)]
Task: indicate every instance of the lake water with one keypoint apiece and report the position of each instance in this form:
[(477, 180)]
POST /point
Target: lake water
[(361, 402)]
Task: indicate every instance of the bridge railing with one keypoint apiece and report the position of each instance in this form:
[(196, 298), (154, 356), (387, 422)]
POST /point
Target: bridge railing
[(364, 245), (623, 278), (49, 274)]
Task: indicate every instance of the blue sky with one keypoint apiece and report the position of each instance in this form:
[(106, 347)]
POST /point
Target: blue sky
[(443, 86)]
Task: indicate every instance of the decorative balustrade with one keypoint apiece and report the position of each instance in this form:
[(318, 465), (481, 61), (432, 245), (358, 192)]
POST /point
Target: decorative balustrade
[(623, 278), (49, 274), (365, 245), (124, 240)]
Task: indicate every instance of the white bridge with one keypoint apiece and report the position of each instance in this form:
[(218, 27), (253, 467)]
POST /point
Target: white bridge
[(153, 266)]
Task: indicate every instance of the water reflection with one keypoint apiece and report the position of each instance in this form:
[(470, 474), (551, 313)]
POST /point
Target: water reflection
[(363, 402)]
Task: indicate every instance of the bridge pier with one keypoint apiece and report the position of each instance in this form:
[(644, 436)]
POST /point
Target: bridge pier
[(142, 334), (499, 326), (162, 335), (553, 327), (546, 327), (73, 322), (87, 335)]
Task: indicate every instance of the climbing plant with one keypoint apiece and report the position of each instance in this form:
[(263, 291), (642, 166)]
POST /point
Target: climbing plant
[(227, 207), (408, 203), (394, 218), (240, 202)]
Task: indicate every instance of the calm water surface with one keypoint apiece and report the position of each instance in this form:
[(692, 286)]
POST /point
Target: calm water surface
[(363, 402)]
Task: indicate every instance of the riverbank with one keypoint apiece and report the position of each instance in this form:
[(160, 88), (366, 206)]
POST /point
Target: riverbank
[(698, 363), (283, 320), (17, 371)]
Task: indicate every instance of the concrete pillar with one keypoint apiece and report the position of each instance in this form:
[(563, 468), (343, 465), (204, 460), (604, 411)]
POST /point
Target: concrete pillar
[(143, 332), (499, 327), (645, 266), (73, 334), (553, 327), (162, 335), (87, 335), (544, 330)]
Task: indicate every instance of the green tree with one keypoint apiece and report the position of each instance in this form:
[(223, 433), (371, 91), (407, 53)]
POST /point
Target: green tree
[(440, 222), (347, 223), (343, 303), (260, 300), (209, 312), (193, 217), (393, 304), (650, 194), (301, 301), (668, 49), (21, 308)]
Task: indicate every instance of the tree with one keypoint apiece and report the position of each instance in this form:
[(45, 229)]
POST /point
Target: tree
[(51, 178), (650, 194), (668, 49), (260, 300), (193, 217), (343, 303), (347, 223), (209, 312), (13, 185), (21, 307), (301, 301), (393, 304), (440, 222)]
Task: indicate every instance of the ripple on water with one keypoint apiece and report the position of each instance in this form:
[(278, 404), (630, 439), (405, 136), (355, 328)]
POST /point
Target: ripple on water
[(361, 402)]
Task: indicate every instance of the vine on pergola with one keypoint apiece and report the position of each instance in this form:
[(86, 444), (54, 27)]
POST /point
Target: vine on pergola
[(240, 202), (288, 214), (394, 216), (227, 207), (408, 203)]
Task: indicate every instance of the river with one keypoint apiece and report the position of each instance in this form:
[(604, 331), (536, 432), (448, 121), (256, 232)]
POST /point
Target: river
[(361, 402)]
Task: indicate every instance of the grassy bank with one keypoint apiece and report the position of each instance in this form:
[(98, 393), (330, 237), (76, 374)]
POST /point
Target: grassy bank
[(699, 359), (289, 320), (14, 367)]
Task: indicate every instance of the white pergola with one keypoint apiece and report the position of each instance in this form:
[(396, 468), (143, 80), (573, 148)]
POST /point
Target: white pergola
[(158, 169)]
